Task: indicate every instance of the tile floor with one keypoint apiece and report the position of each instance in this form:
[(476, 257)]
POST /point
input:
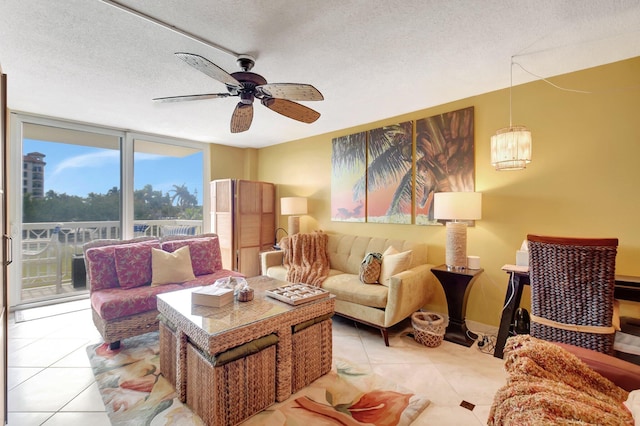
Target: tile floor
[(50, 380)]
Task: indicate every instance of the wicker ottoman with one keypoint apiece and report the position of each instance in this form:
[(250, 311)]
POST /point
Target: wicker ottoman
[(232, 392), (311, 353), (168, 347)]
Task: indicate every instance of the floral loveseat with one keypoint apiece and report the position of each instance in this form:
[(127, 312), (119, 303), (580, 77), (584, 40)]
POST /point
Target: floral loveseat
[(125, 276), (409, 286)]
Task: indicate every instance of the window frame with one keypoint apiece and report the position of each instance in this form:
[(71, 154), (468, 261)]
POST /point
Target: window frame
[(127, 138)]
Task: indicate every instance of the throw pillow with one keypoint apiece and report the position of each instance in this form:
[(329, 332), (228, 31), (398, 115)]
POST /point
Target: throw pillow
[(101, 267), (133, 264), (370, 268), (204, 252), (168, 268), (393, 263)]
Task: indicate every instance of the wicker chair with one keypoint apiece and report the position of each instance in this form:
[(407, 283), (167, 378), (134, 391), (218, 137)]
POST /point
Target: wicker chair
[(572, 284)]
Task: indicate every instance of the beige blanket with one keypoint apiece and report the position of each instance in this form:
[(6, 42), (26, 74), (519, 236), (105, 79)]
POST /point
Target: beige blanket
[(549, 385), (306, 258)]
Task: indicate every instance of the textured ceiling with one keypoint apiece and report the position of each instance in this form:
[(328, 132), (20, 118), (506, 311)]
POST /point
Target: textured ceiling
[(89, 61)]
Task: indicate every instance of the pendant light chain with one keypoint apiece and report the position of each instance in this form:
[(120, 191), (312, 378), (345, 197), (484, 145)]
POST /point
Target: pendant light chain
[(510, 94)]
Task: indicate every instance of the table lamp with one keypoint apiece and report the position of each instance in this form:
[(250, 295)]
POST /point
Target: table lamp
[(292, 207), (457, 207)]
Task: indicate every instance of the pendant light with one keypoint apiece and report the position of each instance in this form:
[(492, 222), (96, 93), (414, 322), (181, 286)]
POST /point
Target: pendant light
[(511, 146)]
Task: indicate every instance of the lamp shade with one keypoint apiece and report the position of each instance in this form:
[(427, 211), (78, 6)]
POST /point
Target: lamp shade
[(511, 148), (457, 205), (293, 205)]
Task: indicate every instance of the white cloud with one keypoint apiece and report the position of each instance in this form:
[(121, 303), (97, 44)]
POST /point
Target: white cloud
[(93, 160), (141, 156), (98, 159)]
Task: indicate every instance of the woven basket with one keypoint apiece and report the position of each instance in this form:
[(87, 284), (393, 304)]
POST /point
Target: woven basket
[(428, 328)]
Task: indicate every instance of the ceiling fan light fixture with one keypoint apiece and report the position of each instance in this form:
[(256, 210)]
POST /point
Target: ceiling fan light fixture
[(246, 97), (278, 97)]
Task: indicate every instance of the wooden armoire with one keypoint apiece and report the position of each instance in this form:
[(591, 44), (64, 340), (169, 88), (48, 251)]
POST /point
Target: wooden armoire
[(243, 214)]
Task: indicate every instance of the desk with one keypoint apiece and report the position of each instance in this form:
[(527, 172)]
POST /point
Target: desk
[(626, 288), (456, 285)]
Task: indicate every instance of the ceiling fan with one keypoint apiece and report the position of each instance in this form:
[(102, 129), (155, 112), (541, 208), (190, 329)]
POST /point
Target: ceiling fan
[(249, 86)]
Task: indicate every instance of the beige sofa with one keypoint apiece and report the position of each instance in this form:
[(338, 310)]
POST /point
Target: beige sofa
[(377, 305)]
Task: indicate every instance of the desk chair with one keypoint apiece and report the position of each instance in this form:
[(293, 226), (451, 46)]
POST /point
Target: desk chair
[(572, 285)]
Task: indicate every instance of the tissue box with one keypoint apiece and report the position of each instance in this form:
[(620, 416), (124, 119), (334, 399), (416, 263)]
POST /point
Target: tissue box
[(212, 296), (522, 258)]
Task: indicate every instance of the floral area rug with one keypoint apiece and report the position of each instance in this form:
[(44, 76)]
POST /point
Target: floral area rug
[(132, 388), (135, 393), (345, 396)]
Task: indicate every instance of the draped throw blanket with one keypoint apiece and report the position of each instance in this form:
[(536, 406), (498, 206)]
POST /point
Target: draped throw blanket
[(549, 385), (306, 258)]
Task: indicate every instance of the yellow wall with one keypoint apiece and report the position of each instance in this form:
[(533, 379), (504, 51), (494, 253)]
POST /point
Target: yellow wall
[(583, 180), (233, 163)]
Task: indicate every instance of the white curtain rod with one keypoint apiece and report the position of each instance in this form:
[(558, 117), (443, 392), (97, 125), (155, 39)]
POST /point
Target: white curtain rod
[(170, 27)]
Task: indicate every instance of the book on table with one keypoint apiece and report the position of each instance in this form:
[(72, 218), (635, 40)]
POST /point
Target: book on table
[(212, 296)]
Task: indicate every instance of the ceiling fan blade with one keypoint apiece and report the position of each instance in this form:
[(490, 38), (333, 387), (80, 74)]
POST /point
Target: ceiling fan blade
[(291, 91), (241, 118), (192, 97), (209, 68), (291, 109)]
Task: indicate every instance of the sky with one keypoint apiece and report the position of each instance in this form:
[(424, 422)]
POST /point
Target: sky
[(79, 170)]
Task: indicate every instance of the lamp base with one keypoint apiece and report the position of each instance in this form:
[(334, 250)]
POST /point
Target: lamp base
[(456, 249), (294, 224)]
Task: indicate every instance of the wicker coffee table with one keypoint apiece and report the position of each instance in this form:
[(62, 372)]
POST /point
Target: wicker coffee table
[(192, 335)]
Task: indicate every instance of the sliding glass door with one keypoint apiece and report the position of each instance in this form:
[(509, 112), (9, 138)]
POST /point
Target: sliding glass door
[(68, 192), (74, 183)]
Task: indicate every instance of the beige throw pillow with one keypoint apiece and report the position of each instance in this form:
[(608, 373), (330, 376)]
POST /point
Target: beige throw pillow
[(393, 263), (168, 268)]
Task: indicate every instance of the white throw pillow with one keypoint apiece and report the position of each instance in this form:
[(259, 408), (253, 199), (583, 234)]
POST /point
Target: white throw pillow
[(393, 263), (168, 268)]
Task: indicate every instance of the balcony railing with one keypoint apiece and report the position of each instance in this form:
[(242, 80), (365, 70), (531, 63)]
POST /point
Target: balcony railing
[(49, 249)]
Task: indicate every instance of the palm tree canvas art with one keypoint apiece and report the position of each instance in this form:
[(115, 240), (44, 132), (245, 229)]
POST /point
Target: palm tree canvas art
[(374, 169), (444, 159), (348, 161), (390, 174)]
